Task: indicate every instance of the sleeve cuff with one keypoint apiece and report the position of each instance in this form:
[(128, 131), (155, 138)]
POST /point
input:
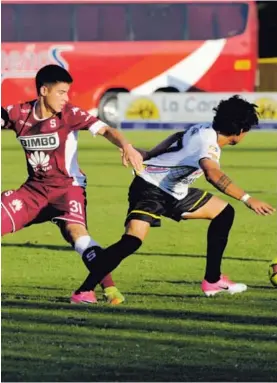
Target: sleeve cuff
[(96, 126)]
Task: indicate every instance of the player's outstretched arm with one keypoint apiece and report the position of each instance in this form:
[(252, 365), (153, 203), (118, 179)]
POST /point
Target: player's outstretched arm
[(161, 147), (223, 183), (165, 144), (129, 153)]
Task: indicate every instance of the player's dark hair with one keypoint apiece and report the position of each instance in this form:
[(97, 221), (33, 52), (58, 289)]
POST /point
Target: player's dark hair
[(234, 116), (52, 74)]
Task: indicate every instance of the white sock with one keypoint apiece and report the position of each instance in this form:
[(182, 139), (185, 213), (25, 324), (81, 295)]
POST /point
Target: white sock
[(83, 243)]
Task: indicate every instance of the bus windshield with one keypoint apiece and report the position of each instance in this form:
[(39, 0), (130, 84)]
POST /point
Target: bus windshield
[(122, 22)]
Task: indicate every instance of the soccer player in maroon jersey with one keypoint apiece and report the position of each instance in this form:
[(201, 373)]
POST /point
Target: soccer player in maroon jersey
[(47, 129)]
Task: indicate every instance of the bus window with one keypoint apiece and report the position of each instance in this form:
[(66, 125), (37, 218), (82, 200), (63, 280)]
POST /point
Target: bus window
[(30, 22), (215, 21), (87, 22), (230, 20), (113, 23), (157, 22), (122, 22), (37, 22), (8, 22), (101, 23), (57, 24), (200, 24)]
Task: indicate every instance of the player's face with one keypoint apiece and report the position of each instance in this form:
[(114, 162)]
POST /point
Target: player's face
[(56, 96), (236, 139)]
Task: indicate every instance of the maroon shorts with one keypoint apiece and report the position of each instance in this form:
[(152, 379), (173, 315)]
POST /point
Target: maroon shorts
[(35, 203)]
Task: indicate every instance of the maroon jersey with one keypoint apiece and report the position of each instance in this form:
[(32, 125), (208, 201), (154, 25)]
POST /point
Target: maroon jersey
[(50, 144)]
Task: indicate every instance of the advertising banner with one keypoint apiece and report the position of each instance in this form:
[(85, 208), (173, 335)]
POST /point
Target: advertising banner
[(174, 110)]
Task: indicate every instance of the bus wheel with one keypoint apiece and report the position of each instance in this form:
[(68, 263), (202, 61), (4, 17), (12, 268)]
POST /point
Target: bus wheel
[(107, 110)]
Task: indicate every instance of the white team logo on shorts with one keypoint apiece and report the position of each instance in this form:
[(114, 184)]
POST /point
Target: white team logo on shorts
[(16, 205), (8, 193), (39, 160)]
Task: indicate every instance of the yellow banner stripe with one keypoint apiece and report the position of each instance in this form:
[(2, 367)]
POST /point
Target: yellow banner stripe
[(270, 60)]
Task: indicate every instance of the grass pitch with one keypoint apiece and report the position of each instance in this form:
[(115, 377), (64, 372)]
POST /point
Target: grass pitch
[(167, 330)]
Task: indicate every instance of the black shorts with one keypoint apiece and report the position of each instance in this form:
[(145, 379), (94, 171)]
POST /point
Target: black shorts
[(148, 203)]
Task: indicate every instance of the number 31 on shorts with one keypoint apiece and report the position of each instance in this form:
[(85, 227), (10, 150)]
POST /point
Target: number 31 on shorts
[(75, 207)]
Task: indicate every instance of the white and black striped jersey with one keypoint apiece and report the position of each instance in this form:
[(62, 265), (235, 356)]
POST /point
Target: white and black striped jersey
[(178, 167)]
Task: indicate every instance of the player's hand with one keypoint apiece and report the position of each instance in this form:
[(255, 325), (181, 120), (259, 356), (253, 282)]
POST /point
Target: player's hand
[(259, 207), (123, 159), (144, 153), (132, 156)]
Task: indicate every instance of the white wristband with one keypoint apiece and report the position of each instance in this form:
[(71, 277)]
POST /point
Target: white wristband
[(245, 198)]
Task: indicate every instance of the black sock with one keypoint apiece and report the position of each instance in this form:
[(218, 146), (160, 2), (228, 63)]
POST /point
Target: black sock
[(217, 240), (89, 255), (107, 260)]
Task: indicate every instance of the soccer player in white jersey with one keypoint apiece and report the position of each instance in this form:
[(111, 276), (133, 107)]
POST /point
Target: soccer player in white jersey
[(162, 189), (47, 129)]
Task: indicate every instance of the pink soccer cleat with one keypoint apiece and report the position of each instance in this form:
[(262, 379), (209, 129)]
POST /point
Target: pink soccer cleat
[(224, 285), (84, 297)]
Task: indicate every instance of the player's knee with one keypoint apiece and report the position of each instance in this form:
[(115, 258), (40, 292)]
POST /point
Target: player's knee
[(228, 212), (231, 210), (72, 231), (226, 216), (137, 228)]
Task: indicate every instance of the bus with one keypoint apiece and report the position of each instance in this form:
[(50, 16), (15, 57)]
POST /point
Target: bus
[(129, 46)]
